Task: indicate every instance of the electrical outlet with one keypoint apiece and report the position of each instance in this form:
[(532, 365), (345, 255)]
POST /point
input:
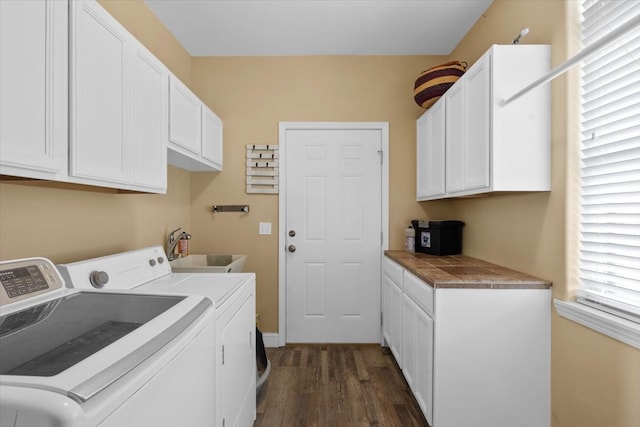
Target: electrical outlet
[(264, 228)]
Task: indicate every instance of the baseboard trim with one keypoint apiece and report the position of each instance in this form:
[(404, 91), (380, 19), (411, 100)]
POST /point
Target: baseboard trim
[(271, 339)]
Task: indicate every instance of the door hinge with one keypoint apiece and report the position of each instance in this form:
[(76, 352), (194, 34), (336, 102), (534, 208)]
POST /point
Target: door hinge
[(223, 354), (223, 422), (381, 237), (381, 153), (381, 318)]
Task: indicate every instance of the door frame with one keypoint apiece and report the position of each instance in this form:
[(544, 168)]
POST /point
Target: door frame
[(383, 127)]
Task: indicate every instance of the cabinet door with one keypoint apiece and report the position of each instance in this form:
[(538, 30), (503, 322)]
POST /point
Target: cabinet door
[(423, 374), (418, 354), (477, 104), (184, 117), (33, 84), (387, 317), (409, 320), (467, 130), (435, 149), (238, 376), (422, 157), (456, 136), (211, 137), (149, 124), (396, 324), (430, 170), (100, 93)]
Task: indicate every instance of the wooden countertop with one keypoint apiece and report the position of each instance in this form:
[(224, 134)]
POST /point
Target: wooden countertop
[(461, 271)]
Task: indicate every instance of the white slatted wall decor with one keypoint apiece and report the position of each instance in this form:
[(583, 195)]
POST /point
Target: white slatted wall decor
[(263, 162), (610, 163)]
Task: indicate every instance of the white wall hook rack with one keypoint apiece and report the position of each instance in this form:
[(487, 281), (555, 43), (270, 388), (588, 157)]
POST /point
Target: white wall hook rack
[(263, 163)]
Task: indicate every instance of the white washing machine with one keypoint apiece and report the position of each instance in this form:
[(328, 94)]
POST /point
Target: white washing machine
[(233, 296), (75, 358)]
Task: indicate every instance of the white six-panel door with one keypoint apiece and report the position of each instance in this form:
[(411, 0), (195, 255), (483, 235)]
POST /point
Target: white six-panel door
[(333, 234)]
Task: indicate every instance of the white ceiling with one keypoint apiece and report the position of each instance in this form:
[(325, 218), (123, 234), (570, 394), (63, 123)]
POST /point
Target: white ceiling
[(318, 27)]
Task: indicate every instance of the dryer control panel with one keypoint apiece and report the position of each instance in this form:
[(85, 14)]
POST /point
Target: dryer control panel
[(25, 278)]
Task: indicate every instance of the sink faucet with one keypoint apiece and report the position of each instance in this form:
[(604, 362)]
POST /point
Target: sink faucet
[(172, 242)]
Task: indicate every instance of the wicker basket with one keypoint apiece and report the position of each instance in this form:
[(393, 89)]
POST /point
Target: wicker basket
[(434, 82)]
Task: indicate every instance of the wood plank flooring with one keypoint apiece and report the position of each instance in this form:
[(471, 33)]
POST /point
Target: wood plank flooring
[(335, 385)]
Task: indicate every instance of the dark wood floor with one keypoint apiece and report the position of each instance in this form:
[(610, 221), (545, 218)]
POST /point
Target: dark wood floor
[(335, 385)]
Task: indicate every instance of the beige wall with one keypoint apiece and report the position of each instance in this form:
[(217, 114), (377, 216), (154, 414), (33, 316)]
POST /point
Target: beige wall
[(595, 380), (67, 223)]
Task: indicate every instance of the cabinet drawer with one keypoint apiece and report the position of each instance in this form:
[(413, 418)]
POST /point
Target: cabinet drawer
[(421, 293), (393, 271)]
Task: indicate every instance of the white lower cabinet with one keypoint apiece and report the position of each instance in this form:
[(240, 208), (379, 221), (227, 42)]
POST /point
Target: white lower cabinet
[(386, 309), (418, 342), (392, 307), (423, 371), (33, 88), (409, 314), (472, 357), (236, 359), (396, 319)]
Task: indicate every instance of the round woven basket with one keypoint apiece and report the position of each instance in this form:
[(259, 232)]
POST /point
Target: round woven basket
[(434, 82)]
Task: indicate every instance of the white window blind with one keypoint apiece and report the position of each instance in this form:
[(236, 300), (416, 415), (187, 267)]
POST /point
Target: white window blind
[(610, 162)]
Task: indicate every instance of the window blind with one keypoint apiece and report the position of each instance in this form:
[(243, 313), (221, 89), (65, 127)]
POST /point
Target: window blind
[(610, 162)]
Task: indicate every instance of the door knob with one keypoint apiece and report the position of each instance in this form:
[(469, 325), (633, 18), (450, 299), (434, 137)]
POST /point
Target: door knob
[(292, 248), (292, 233)]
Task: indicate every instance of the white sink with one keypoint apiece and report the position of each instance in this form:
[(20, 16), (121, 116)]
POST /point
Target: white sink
[(209, 263)]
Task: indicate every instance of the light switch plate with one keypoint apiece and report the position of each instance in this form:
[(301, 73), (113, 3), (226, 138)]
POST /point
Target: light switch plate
[(264, 228)]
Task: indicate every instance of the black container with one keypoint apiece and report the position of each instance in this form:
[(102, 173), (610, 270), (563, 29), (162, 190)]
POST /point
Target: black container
[(438, 237)]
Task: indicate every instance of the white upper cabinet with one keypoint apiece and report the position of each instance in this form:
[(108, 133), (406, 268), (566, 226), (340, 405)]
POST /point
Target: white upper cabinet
[(100, 143), (195, 132), (33, 88), (431, 152), (475, 145), (490, 147), (184, 116), (84, 102), (117, 105), (150, 125), (455, 137), (211, 137)]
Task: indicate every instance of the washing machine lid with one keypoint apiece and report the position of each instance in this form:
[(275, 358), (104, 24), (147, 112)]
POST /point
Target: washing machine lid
[(82, 342), (219, 287)]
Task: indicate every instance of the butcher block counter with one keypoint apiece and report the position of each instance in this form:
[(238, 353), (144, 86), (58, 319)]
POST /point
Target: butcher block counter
[(473, 339), (461, 271)]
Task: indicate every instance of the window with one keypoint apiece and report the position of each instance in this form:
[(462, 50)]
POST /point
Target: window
[(610, 162)]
